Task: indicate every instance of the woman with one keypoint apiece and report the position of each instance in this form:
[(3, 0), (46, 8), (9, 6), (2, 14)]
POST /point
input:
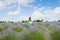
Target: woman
[(30, 22)]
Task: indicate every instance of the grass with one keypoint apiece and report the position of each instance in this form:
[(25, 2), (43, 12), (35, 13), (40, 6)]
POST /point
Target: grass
[(6, 27), (10, 36), (42, 27), (1, 29), (49, 26), (25, 25), (17, 29), (33, 35), (55, 34)]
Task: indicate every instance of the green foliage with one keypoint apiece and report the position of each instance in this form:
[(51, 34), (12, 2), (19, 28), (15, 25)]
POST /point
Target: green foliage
[(25, 25), (55, 34), (10, 36), (24, 20), (6, 27), (49, 26), (2, 21), (42, 27), (47, 21), (10, 21), (5, 21), (17, 29), (1, 29), (33, 35), (58, 20), (38, 21)]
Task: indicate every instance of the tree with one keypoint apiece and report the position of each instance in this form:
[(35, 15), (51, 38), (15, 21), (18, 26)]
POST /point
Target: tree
[(38, 21), (10, 21), (41, 20), (0, 21), (58, 20), (24, 20)]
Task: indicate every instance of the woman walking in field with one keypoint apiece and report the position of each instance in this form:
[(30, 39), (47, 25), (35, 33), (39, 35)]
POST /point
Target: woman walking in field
[(30, 22)]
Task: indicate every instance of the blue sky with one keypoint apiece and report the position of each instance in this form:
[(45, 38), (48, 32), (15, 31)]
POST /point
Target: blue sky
[(17, 10)]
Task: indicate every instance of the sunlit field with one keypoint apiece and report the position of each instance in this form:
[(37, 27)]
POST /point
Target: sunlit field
[(22, 31)]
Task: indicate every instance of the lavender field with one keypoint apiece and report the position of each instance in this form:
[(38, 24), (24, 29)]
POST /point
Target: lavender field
[(22, 31)]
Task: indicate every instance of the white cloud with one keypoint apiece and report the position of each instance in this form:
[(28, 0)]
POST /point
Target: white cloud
[(22, 18), (7, 18), (16, 12), (43, 13), (37, 15), (10, 18), (20, 2), (9, 2), (2, 6), (57, 10), (24, 2), (46, 14)]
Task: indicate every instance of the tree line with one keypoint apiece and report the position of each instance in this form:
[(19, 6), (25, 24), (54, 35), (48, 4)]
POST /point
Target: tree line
[(27, 21), (38, 21)]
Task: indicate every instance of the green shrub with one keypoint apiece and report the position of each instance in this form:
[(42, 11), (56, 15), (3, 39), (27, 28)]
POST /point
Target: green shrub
[(47, 21), (49, 26), (58, 20), (24, 20), (55, 34), (10, 36), (25, 25), (33, 35), (17, 29), (6, 27), (42, 27), (0, 21), (1, 29), (11, 21), (38, 21)]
